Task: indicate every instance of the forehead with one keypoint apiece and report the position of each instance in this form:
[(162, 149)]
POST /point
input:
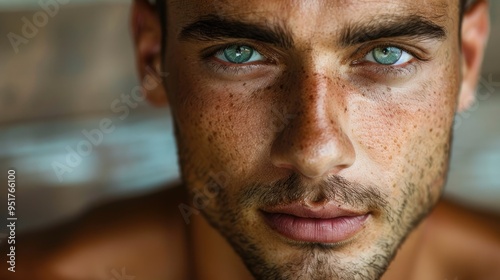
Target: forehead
[(315, 13)]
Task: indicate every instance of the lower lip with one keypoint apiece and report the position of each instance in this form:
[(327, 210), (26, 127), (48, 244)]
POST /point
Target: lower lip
[(316, 230)]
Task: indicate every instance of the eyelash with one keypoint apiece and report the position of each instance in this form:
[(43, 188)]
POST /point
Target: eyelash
[(234, 69), (390, 71), (379, 69)]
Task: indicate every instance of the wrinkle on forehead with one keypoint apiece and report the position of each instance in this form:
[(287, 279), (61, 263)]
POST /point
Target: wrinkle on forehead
[(318, 13), (432, 8)]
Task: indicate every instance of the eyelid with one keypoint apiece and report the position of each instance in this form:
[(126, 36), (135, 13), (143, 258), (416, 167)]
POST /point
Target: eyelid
[(255, 52), (209, 59), (363, 51), (406, 56), (380, 72), (217, 49)]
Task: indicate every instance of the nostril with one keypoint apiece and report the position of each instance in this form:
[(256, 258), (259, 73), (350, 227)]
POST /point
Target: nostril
[(313, 163), (284, 165)]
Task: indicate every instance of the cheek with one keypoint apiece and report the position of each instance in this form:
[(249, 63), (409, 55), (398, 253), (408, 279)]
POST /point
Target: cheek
[(401, 131), (403, 138), (222, 128)]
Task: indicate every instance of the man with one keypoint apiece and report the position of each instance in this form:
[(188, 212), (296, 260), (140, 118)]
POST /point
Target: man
[(314, 138)]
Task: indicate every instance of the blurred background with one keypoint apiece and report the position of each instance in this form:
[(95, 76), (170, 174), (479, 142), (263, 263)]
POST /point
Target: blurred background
[(71, 73)]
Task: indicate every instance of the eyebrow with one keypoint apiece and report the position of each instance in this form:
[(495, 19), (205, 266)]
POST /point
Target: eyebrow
[(413, 26), (213, 27)]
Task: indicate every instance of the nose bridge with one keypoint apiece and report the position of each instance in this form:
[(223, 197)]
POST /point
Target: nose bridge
[(313, 92), (319, 96), (314, 143), (315, 85)]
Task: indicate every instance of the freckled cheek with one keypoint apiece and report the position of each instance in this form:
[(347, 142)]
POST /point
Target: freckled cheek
[(380, 137), (396, 138), (222, 128)]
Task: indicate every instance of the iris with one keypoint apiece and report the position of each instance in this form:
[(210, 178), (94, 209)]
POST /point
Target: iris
[(238, 54), (387, 55)]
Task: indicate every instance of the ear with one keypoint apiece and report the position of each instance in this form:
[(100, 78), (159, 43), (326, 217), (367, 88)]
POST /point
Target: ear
[(475, 32), (146, 29)]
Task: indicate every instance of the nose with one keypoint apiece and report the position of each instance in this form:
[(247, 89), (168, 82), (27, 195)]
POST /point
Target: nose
[(314, 142)]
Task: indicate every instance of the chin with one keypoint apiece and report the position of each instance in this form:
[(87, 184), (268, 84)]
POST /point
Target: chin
[(269, 255)]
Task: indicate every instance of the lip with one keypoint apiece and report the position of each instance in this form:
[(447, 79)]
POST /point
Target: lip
[(326, 224)]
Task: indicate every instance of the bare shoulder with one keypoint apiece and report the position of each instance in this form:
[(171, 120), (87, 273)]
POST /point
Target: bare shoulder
[(142, 236), (465, 240)]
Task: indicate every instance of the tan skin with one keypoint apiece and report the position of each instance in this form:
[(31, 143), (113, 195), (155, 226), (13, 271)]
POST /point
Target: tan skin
[(352, 118)]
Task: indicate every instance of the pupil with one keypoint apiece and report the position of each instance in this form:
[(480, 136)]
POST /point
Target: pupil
[(238, 51)]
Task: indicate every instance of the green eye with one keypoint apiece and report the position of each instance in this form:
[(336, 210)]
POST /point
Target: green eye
[(388, 56), (239, 54)]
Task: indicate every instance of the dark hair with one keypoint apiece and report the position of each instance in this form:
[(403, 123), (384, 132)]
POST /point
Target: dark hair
[(161, 8)]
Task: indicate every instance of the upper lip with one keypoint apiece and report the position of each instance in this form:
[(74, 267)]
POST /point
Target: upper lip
[(325, 211)]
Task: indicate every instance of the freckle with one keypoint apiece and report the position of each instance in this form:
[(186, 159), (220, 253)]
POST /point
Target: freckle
[(217, 107), (230, 95), (430, 130), (415, 126), (244, 84), (389, 89), (281, 86), (343, 86), (345, 109)]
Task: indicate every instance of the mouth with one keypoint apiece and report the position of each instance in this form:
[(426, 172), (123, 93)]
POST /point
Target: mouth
[(327, 224)]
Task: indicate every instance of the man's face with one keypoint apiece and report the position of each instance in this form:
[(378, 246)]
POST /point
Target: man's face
[(314, 135)]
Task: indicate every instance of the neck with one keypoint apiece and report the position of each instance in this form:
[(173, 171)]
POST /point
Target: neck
[(402, 267), (213, 256)]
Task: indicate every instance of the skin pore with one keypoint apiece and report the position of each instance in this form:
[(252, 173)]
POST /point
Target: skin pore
[(365, 136)]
